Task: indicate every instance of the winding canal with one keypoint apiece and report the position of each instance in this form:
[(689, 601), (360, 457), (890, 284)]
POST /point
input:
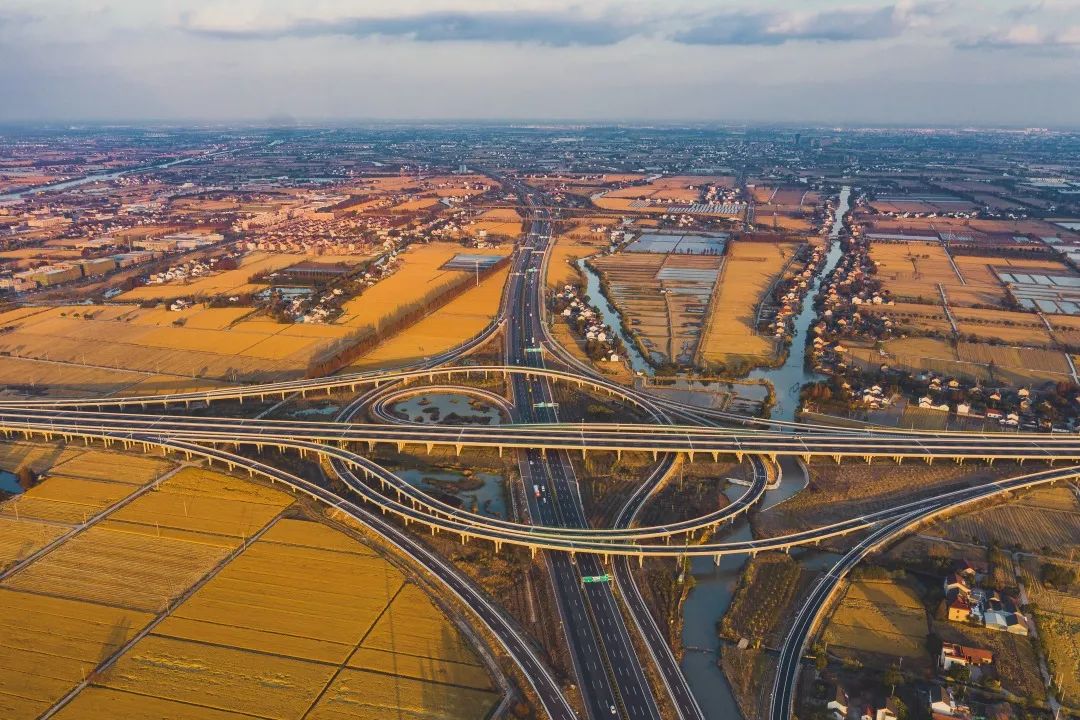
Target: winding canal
[(715, 584)]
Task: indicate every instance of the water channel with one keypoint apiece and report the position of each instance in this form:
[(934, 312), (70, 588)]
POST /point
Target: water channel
[(96, 177), (595, 297), (715, 584), (788, 379), (9, 483)]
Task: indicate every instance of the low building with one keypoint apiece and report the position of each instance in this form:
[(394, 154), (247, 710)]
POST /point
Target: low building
[(958, 607), (955, 654), (838, 706)]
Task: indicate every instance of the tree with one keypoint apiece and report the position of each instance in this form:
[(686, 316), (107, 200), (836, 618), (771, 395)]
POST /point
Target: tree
[(959, 673), (26, 477), (892, 677)]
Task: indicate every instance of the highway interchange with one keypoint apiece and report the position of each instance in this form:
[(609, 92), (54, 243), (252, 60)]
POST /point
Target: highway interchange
[(609, 670)]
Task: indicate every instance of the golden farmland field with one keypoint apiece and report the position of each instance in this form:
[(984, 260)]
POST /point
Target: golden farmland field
[(420, 279), (50, 644), (500, 222), (914, 270), (154, 548), (729, 333), (303, 622), (885, 618), (458, 320), (86, 341), (288, 630), (20, 539), (360, 695)]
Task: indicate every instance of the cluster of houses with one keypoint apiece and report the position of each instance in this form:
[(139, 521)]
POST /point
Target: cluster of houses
[(839, 706), (600, 340), (966, 602), (942, 705), (193, 269), (844, 314), (790, 293), (1009, 409), (312, 309)]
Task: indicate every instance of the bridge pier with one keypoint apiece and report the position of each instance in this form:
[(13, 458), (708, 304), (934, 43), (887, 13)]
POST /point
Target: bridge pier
[(837, 458), (739, 455), (716, 456), (690, 456)]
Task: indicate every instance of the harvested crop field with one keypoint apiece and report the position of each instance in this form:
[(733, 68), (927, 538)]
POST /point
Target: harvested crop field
[(1012, 365), (913, 270), (196, 343), (879, 621), (1047, 518), (567, 249), (450, 325), (303, 622), (419, 281), (663, 298), (500, 222), (837, 492), (730, 335)]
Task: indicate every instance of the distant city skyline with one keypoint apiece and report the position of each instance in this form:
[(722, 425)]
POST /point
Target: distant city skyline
[(906, 62)]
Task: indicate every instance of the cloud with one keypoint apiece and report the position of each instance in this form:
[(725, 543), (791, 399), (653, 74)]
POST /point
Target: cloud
[(779, 27), (553, 29), (1027, 37)]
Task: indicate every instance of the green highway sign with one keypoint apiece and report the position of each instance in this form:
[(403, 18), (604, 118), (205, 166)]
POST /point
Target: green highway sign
[(532, 270), (596, 578), (535, 349), (546, 405)]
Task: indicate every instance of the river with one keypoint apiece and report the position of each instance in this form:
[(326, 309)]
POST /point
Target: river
[(595, 297), (96, 177), (715, 584), (788, 379)]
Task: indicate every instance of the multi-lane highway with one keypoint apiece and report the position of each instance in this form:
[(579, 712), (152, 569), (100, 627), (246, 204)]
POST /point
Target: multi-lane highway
[(610, 676)]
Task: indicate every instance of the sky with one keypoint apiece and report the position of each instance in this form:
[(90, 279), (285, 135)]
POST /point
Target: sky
[(836, 62)]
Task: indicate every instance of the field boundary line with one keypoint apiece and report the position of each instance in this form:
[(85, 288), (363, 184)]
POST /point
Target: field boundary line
[(344, 664), (159, 618), (102, 515)]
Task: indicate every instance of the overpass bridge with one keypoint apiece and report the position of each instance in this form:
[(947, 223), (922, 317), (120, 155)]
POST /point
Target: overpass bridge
[(395, 496)]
